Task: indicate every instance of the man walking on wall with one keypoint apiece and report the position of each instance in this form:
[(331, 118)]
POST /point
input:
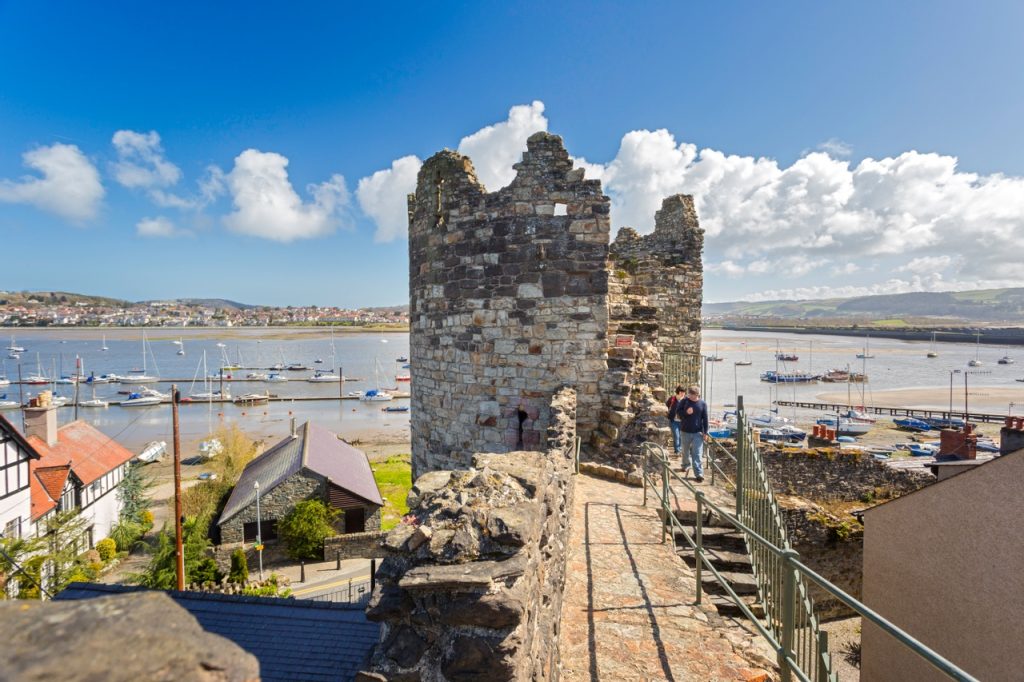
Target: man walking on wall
[(692, 415)]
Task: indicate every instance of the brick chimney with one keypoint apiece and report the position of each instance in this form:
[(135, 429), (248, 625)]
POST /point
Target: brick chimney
[(41, 419), (960, 444), (1011, 436)]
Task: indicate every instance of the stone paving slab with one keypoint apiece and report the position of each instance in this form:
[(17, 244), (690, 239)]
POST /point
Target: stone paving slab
[(629, 609)]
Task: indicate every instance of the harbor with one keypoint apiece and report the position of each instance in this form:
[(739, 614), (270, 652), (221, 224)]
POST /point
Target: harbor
[(899, 379), (366, 361)]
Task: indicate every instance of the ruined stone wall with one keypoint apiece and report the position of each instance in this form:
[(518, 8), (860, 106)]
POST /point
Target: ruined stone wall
[(833, 475), (655, 290), (662, 279), (473, 590), (508, 301)]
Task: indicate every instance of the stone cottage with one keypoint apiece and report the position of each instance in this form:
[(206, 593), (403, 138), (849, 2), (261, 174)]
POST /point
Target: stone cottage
[(310, 463)]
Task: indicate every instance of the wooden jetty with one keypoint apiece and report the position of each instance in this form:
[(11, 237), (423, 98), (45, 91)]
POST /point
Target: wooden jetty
[(896, 411)]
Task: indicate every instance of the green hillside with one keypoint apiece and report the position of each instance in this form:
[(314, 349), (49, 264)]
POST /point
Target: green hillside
[(984, 305)]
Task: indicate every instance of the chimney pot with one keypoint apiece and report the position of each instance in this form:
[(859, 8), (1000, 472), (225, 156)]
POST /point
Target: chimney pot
[(41, 419)]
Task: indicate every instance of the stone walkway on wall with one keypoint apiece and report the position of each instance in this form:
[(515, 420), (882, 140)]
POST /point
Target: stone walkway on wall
[(629, 613)]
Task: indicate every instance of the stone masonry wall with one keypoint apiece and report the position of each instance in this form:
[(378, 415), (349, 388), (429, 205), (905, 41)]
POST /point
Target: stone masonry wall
[(473, 590), (655, 292), (508, 298), (824, 474), (368, 545), (274, 503), (664, 283)]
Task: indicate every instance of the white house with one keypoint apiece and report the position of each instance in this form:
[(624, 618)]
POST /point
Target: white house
[(76, 466), (16, 456)]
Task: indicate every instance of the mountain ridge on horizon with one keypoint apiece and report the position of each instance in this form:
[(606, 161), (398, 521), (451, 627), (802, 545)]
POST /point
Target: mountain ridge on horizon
[(47, 297), (987, 305)]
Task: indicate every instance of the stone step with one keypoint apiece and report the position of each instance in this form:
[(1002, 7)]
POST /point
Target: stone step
[(741, 583), (727, 607), (722, 559), (688, 515), (717, 538)]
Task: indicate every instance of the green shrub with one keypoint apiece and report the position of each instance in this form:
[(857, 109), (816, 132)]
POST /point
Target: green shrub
[(239, 572), (107, 549), (305, 528), (125, 535), (269, 589), (206, 571)]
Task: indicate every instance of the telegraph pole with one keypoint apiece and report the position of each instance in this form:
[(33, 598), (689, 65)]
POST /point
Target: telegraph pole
[(78, 380), (179, 552)]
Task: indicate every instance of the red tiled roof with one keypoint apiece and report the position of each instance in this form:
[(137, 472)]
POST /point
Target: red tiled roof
[(90, 452), (46, 483)]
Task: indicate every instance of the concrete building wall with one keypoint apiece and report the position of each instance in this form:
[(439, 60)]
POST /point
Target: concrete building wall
[(103, 514), (945, 564), (508, 294)]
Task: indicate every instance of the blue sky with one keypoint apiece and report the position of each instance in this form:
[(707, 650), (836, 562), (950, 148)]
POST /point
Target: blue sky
[(833, 148)]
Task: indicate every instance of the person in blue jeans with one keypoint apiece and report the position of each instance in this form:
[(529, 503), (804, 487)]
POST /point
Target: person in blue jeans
[(692, 415), (676, 426)]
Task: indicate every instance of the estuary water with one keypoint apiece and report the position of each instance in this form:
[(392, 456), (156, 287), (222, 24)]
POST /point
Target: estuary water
[(368, 357), (899, 374)]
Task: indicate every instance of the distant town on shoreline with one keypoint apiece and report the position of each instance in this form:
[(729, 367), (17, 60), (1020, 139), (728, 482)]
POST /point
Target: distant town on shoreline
[(65, 309)]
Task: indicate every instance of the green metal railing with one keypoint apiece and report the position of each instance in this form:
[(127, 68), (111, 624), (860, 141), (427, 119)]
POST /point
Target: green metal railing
[(789, 624), (680, 368)]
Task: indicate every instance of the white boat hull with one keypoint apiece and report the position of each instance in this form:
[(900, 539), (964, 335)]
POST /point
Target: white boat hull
[(138, 379), (145, 401)]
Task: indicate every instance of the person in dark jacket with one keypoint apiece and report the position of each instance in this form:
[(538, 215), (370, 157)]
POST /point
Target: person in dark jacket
[(692, 415), (677, 433)]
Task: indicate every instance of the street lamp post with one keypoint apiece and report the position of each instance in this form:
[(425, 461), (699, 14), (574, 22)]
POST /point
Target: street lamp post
[(259, 534), (949, 416)]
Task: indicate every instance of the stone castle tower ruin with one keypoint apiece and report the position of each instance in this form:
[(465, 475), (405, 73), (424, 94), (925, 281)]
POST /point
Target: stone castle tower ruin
[(518, 292)]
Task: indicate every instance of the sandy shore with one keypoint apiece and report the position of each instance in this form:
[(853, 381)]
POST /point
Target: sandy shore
[(980, 399)]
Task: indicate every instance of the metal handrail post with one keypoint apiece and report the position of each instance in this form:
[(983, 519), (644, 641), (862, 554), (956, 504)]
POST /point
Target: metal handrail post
[(789, 581), (741, 447), (664, 496), (822, 653), (698, 542)]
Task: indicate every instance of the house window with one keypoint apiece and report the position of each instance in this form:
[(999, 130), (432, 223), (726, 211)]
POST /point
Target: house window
[(12, 530), (269, 530), (67, 500)]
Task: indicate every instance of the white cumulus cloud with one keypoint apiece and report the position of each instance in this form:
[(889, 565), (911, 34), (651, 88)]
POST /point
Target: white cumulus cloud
[(67, 183), (790, 221), (267, 206), (495, 148), (383, 197), (140, 160), (141, 164), (159, 227)]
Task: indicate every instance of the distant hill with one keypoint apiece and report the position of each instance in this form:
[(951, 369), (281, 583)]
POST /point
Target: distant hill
[(214, 303), (28, 298), (985, 305)]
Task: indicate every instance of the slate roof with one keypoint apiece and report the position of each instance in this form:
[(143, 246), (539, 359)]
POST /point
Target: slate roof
[(294, 639), (316, 449), (92, 453)]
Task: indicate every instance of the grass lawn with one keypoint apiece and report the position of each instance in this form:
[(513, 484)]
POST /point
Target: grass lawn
[(394, 478)]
